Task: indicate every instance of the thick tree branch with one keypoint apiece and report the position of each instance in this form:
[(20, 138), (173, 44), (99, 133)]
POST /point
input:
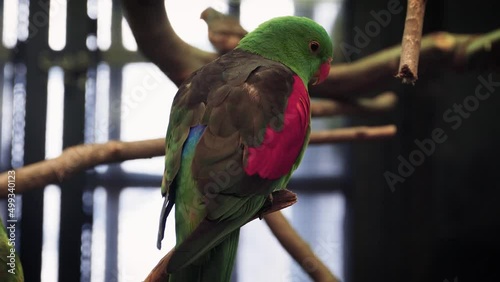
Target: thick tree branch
[(410, 46), (158, 41), (82, 157)]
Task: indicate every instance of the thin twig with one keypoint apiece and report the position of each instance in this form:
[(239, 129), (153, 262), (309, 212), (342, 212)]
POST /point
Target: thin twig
[(412, 36)]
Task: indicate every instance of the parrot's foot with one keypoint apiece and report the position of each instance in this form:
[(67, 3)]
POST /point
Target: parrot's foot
[(267, 205), (276, 201)]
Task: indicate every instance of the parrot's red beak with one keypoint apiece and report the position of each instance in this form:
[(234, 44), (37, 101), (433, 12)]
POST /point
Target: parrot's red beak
[(322, 72)]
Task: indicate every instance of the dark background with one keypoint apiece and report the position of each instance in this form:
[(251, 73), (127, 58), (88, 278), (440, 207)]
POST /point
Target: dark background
[(443, 221)]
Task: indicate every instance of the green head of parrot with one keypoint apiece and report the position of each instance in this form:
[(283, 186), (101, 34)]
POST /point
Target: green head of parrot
[(297, 42)]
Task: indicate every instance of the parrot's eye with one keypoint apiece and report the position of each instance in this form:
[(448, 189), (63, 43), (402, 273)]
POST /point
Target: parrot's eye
[(314, 46)]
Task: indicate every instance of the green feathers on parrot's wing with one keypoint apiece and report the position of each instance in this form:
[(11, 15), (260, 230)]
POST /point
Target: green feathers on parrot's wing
[(210, 233), (239, 94), (235, 97), (238, 127), (193, 105)]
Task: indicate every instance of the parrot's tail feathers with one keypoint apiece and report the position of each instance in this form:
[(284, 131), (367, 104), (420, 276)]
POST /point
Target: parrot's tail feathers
[(220, 266), (210, 233), (165, 210)]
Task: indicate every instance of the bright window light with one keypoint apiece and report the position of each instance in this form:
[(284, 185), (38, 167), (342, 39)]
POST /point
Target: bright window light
[(23, 20), (102, 103), (92, 8), (10, 14), (91, 42), (55, 113), (258, 255), (325, 14), (51, 220), (136, 260), (6, 115), (252, 12), (145, 108), (57, 24), (127, 37), (104, 11), (185, 19), (98, 252), (18, 116), (102, 108)]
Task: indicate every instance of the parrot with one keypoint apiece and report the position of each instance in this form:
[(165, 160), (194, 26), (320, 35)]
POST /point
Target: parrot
[(238, 128), (11, 269)]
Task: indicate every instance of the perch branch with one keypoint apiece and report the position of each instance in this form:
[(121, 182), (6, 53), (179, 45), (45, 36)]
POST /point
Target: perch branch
[(82, 157), (410, 46), (298, 248), (159, 272), (79, 158)]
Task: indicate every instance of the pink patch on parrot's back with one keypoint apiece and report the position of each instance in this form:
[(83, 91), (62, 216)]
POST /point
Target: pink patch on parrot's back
[(279, 150)]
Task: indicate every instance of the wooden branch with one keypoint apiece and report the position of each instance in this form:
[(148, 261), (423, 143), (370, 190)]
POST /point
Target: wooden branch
[(79, 158), (159, 272), (360, 133), (224, 31), (298, 248), (82, 157), (158, 41), (410, 46), (381, 103)]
